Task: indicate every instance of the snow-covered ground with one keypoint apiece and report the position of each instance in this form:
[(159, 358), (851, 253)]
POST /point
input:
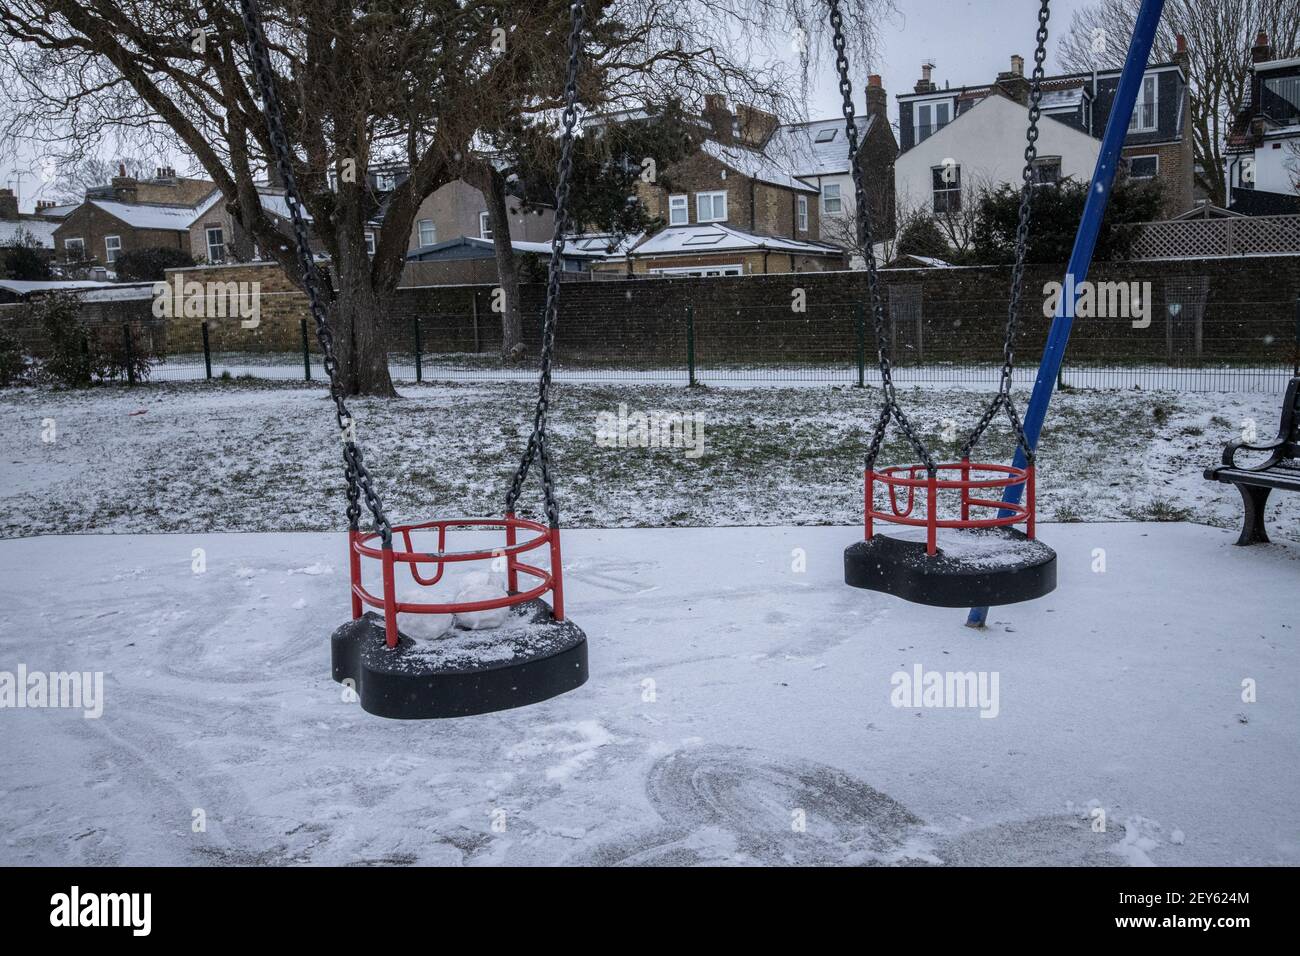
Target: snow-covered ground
[(739, 710), (262, 457)]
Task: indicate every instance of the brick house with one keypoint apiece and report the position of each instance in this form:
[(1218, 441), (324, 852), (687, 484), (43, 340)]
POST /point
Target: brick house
[(759, 196), (129, 214), (1158, 145), (1263, 145)]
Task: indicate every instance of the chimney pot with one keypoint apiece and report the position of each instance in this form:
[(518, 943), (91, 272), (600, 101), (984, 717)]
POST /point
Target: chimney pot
[(1017, 64), (121, 170), (873, 80), (1180, 43)]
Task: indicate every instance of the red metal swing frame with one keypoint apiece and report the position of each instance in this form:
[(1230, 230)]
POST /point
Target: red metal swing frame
[(551, 579), (906, 476)]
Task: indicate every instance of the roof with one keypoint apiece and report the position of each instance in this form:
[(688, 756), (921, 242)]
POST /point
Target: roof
[(38, 229), (485, 249), (149, 215), (26, 287), (57, 212), (604, 243), (755, 165), (795, 147), (716, 237)]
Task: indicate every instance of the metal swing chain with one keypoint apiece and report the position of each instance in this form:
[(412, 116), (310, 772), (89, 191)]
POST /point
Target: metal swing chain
[(1003, 398), (890, 409), (537, 447), (358, 476)]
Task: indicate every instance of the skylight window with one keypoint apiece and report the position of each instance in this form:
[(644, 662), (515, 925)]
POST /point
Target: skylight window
[(703, 239), (826, 135)]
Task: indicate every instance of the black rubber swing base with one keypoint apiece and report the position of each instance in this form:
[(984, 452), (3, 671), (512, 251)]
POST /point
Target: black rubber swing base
[(530, 658), (980, 568)]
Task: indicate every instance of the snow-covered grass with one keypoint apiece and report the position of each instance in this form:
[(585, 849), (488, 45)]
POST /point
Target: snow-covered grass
[(742, 709), (257, 456)]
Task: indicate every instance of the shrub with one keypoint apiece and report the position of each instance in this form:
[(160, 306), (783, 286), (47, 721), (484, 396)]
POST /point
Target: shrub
[(12, 361), (76, 356), (150, 265), (24, 259), (67, 357)]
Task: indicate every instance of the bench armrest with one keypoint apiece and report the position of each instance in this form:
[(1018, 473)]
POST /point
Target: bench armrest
[(1230, 451)]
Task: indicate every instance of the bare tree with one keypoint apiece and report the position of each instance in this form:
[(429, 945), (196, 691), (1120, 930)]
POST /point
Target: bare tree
[(75, 177), (415, 81), (1219, 36)]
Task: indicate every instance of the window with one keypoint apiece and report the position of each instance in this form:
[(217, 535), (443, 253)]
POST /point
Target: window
[(370, 243), (74, 250), (112, 246), (1143, 167), (428, 232), (826, 135), (711, 207), (678, 211), (946, 183), (832, 205), (484, 226), (930, 118), (1280, 99), (385, 182), (1047, 171), (802, 213), (1144, 116), (216, 244)]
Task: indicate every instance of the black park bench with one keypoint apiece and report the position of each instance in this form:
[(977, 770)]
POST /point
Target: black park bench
[(1280, 471)]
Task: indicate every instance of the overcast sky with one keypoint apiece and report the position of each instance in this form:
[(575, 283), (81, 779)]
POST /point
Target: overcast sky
[(969, 42)]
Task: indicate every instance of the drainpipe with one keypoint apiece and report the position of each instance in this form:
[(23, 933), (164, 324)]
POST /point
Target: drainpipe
[(752, 210)]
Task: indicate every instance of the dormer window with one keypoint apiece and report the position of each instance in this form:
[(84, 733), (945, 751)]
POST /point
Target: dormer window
[(1145, 117), (930, 118)]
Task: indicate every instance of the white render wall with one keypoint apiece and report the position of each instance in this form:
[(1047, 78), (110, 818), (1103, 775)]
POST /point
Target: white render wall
[(988, 143)]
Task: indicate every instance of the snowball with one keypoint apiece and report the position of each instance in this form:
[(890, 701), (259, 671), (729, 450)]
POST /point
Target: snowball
[(421, 627), (1178, 837), (479, 586)]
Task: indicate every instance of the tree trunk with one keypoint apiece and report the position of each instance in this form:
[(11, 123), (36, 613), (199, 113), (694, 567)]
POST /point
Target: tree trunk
[(360, 342), (486, 179)]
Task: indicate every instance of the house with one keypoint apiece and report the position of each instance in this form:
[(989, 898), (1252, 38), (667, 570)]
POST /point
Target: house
[(129, 214), (817, 152), (758, 196), (1262, 153), (943, 173), (37, 227), (1158, 145)]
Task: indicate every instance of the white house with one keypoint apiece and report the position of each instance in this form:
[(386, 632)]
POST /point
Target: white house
[(1263, 146), (985, 146)]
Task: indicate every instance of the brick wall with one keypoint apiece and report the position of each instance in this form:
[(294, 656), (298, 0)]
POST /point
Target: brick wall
[(1249, 315)]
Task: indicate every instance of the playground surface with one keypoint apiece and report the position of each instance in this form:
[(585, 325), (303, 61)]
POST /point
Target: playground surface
[(739, 711)]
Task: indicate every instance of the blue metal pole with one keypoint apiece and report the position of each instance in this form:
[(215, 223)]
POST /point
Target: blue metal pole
[(1085, 240)]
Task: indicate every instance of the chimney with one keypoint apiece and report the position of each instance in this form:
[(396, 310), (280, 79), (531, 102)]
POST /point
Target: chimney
[(124, 187), (719, 118), (877, 101), (1013, 82), (756, 126), (8, 204), (1261, 52), (925, 84)]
